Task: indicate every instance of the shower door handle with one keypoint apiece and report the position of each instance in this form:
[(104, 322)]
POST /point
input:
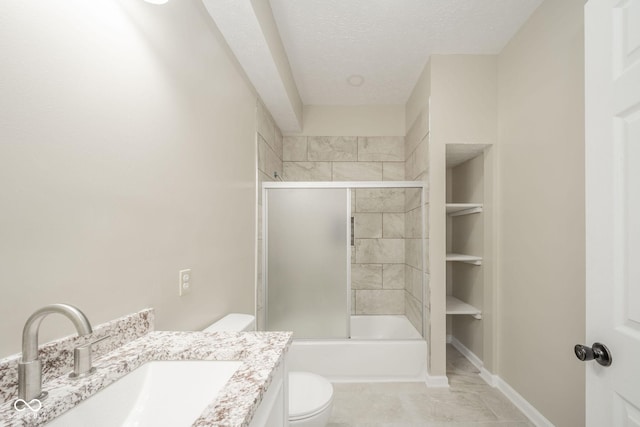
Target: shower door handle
[(352, 231)]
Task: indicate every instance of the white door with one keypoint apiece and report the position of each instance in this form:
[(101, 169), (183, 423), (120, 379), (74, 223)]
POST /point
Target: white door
[(612, 61)]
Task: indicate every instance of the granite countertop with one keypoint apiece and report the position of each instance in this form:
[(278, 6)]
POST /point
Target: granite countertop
[(260, 353)]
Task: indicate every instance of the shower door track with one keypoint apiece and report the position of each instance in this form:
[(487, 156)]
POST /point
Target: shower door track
[(343, 184)]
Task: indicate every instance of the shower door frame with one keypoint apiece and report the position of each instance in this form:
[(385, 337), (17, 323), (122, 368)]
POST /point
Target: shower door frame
[(338, 185)]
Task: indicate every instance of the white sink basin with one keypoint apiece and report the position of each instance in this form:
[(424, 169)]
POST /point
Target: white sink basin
[(155, 394)]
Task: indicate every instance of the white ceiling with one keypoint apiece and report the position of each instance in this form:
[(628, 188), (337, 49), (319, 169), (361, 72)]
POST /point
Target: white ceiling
[(386, 41)]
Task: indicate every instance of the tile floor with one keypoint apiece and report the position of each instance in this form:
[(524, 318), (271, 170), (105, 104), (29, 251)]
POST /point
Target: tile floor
[(468, 402)]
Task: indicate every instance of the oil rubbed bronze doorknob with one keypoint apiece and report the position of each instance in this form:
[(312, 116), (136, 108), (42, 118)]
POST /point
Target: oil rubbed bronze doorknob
[(597, 351)]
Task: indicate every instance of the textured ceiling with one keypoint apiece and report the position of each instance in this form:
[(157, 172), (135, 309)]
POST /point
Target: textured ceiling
[(386, 41)]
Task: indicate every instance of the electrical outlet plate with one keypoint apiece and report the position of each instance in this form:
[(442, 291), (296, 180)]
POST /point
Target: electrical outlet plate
[(184, 282)]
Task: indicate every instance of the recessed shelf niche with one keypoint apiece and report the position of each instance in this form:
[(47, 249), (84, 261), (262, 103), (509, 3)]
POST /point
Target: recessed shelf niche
[(456, 306)]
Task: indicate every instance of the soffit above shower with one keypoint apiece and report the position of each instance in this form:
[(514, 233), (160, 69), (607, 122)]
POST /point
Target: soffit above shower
[(251, 33), (385, 41)]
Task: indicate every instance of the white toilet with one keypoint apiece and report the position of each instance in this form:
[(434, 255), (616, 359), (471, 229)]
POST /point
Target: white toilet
[(310, 395), (310, 399)]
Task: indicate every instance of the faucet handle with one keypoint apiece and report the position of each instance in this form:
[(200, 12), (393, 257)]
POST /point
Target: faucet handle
[(82, 359)]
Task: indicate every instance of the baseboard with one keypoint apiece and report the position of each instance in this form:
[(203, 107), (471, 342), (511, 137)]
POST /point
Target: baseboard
[(488, 377), (521, 403), (374, 379), (437, 381), (475, 360), (495, 381)]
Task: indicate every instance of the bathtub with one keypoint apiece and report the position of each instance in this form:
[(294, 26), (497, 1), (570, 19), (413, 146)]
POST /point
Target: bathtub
[(381, 348)]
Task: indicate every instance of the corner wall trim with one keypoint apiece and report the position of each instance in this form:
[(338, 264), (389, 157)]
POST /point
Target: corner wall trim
[(488, 377), (437, 381), (495, 381)]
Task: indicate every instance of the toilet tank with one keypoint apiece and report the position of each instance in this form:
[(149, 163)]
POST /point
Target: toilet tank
[(234, 322)]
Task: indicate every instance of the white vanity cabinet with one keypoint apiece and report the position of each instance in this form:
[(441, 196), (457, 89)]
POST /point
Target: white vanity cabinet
[(274, 408)]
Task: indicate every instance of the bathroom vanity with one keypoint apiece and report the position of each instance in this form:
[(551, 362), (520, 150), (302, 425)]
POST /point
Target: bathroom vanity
[(253, 395)]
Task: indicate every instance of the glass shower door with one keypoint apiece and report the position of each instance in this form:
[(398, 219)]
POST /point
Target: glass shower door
[(307, 253)]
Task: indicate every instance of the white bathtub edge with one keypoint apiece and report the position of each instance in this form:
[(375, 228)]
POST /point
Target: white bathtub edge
[(361, 361)]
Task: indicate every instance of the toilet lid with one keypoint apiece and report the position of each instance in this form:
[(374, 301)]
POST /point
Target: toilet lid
[(308, 394)]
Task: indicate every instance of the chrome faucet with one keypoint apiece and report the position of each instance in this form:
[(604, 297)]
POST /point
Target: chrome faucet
[(30, 367)]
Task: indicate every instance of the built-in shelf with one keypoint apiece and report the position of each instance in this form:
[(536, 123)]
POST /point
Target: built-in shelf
[(456, 306), (469, 259), (460, 153), (457, 209)]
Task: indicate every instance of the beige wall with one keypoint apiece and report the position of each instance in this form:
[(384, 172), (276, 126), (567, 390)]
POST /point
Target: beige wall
[(270, 153), (360, 120), (418, 101), (127, 153), (464, 99), (463, 110), (541, 213), (417, 274)]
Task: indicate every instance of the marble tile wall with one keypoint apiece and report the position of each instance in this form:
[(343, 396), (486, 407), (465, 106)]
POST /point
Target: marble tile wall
[(270, 151), (344, 158), (378, 256), (307, 171), (392, 171), (416, 240), (390, 200), (332, 148), (371, 250), (367, 225), (393, 225), (380, 301), (378, 269), (357, 171), (389, 268)]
